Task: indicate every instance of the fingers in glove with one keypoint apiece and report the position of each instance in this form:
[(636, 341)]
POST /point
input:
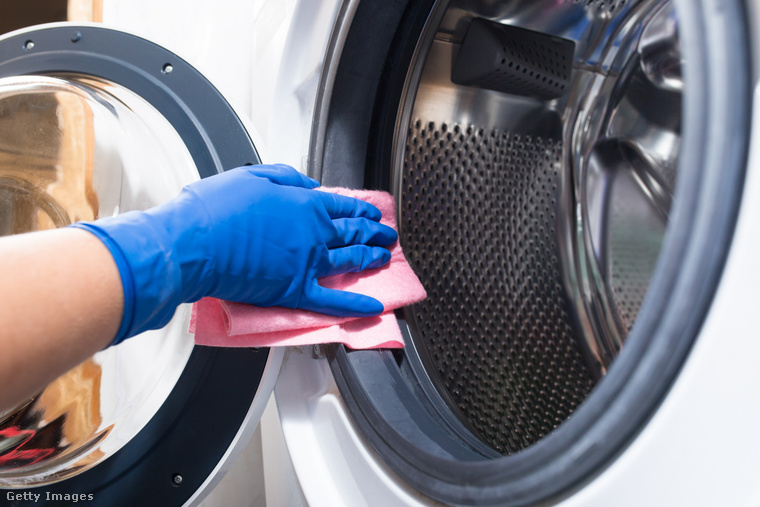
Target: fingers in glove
[(360, 231), (282, 174), (356, 258), (341, 206), (340, 303)]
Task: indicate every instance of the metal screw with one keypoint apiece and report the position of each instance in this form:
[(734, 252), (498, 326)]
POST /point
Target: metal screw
[(177, 479), (167, 68), (28, 45), (76, 36)]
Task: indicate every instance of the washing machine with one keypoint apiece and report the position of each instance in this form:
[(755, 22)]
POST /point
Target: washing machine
[(574, 183)]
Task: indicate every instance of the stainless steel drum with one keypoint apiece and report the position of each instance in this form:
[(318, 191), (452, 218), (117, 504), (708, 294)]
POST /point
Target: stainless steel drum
[(535, 219)]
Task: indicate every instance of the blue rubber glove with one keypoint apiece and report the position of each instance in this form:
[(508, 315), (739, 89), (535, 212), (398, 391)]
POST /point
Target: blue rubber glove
[(256, 234)]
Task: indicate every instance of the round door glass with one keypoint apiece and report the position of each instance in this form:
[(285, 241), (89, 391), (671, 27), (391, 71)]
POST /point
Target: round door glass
[(73, 148)]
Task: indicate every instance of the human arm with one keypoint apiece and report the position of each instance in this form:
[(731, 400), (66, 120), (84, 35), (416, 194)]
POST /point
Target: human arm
[(61, 302), (258, 235)]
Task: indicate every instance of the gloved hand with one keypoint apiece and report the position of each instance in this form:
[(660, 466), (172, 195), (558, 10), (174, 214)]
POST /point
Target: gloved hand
[(256, 234)]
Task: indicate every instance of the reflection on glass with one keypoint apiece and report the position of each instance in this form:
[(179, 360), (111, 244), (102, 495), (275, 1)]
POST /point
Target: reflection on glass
[(63, 422), (77, 148), (46, 161)]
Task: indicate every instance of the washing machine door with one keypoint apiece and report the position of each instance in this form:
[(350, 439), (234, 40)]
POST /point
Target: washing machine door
[(95, 122)]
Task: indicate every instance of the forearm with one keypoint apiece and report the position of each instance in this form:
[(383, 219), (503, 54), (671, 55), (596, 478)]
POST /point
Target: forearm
[(62, 301)]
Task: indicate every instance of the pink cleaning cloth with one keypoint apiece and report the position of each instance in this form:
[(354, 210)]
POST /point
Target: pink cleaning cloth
[(226, 324)]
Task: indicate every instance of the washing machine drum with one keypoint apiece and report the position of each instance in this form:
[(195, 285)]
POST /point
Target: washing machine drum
[(95, 122), (567, 176)]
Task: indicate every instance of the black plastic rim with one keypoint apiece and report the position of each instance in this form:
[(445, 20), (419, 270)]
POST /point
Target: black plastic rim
[(200, 418), (714, 152)]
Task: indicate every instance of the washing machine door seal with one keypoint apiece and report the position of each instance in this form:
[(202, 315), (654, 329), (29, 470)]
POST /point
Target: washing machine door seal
[(176, 454)]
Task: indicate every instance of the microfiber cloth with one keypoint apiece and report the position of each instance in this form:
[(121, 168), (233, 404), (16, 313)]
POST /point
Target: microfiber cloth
[(225, 324)]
